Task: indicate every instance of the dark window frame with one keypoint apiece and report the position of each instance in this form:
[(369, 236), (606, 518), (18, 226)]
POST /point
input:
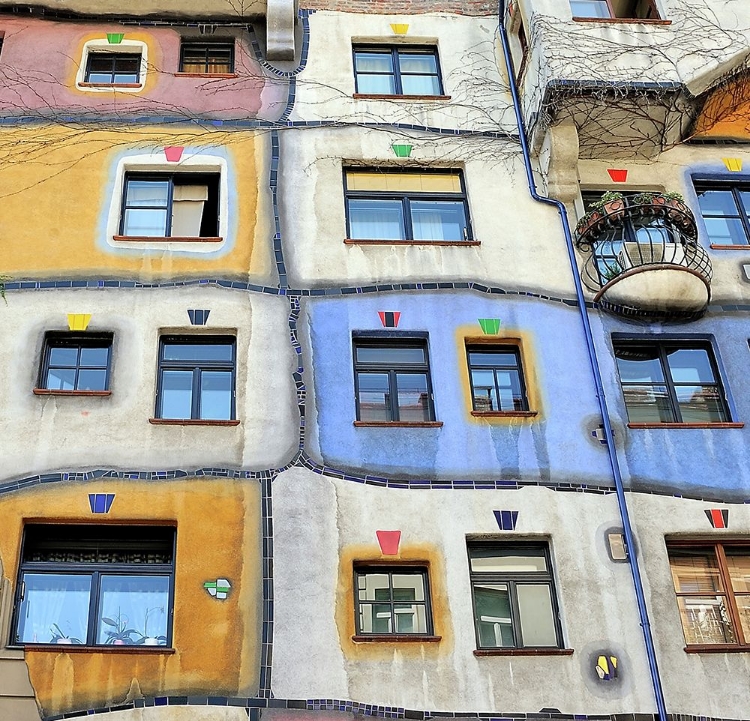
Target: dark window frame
[(394, 51), (115, 57), (682, 344), (735, 186), (197, 367), (55, 339), (400, 341), (210, 177), (406, 198), (95, 570), (511, 579), (719, 547), (474, 347), (423, 570), (228, 44)]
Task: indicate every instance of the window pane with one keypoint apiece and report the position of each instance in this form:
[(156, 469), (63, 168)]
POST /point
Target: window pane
[(373, 587), (438, 220), (695, 571), (147, 192), (216, 395), (420, 85), (492, 611), (100, 63), (490, 560), (198, 351), (492, 358), (410, 618), (743, 607), (63, 356), (589, 8), (705, 620), (725, 231), (145, 223), (648, 404), (745, 196), (738, 562), (376, 220), (509, 385), (421, 64), (403, 182), (55, 609), (60, 379), (374, 397), (176, 394), (483, 385), (638, 364), (94, 357), (717, 202), (92, 380), (129, 64), (690, 365), (376, 84), (413, 397), (133, 610), (537, 619), (399, 355), (375, 618), (700, 404), (408, 587)]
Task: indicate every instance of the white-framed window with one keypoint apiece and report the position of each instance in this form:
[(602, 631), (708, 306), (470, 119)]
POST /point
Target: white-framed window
[(106, 66)]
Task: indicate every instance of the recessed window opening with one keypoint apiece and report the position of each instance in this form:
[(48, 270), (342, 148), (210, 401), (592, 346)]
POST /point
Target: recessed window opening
[(75, 362), (214, 58), (104, 68), (615, 9), (397, 70)]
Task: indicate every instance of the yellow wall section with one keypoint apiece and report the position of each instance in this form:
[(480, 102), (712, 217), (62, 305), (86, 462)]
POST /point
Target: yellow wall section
[(54, 184), (217, 643), (726, 113)]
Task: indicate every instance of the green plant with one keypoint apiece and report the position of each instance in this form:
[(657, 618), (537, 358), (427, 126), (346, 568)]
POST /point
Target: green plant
[(611, 195), (121, 633), (59, 635), (643, 198), (674, 196), (611, 272)]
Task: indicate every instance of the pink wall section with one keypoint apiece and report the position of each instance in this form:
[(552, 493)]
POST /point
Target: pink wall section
[(40, 59)]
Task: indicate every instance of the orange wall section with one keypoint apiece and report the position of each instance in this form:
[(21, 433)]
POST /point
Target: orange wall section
[(726, 112), (216, 642), (57, 184)]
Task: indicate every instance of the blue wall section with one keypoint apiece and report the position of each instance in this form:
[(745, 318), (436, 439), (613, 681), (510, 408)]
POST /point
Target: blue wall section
[(706, 463), (556, 446)]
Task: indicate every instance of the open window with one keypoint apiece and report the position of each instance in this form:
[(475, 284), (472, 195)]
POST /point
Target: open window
[(614, 9)]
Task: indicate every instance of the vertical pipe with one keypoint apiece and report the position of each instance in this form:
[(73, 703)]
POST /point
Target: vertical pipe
[(596, 372)]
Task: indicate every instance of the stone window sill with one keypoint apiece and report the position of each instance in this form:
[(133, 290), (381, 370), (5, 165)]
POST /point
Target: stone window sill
[(504, 414), (80, 648), (190, 422), (110, 85), (718, 648), (398, 424), (523, 652), (376, 241), (686, 425), (714, 246), (51, 392), (206, 75), (376, 96), (159, 239), (624, 21), (397, 637)]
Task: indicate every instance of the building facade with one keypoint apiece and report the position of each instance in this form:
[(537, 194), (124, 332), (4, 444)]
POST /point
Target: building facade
[(375, 358)]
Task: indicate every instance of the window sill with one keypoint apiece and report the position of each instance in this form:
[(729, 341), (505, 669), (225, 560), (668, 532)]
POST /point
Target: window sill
[(686, 425), (398, 424), (80, 648), (523, 652), (159, 239), (50, 392), (624, 21), (190, 422), (206, 75), (377, 241), (377, 96), (504, 414), (110, 85), (746, 248), (717, 648), (397, 637)]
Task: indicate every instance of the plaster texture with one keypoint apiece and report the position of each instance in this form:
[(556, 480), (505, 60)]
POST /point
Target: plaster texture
[(553, 445), (468, 56), (189, 8), (44, 59), (521, 244), (44, 433), (314, 612)]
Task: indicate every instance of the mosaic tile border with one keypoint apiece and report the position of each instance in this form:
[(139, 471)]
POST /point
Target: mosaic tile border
[(255, 705)]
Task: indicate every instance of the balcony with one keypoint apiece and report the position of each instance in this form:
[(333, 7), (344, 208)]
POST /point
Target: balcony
[(643, 257)]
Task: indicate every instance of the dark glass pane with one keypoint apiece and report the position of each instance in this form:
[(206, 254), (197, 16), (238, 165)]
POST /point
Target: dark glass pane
[(390, 355), (216, 395), (101, 63), (438, 220), (690, 365), (55, 608), (94, 357), (198, 351), (92, 380), (176, 394), (63, 356), (129, 64), (639, 364), (374, 397), (492, 612), (413, 397), (648, 404), (493, 358), (133, 610), (420, 85), (376, 220), (59, 379), (700, 404), (368, 62)]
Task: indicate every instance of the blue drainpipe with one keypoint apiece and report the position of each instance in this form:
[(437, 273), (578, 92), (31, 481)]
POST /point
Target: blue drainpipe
[(596, 372)]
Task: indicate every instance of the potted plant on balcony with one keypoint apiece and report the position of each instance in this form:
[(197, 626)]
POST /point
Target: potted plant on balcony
[(59, 636), (612, 204), (587, 224), (611, 272), (677, 210)]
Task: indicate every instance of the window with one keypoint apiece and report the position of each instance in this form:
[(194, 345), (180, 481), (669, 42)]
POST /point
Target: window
[(95, 585), (103, 68), (196, 378), (725, 208), (392, 600), (178, 206), (712, 583), (392, 381), (514, 596), (393, 206), (207, 58), (496, 376), (616, 9), (74, 362), (670, 382), (402, 70)]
